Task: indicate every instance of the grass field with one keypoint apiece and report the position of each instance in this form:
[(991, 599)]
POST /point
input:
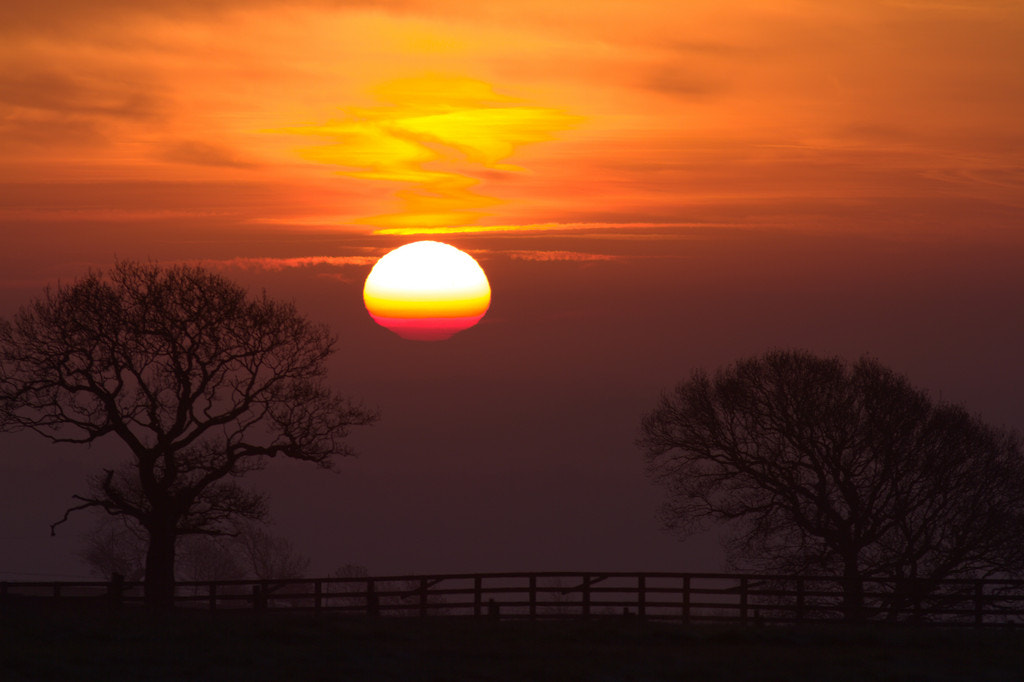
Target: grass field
[(280, 646)]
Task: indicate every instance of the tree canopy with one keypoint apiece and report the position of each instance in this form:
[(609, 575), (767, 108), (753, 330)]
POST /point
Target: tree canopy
[(822, 466), (200, 381)]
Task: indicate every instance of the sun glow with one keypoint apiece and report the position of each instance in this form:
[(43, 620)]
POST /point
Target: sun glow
[(434, 140), (427, 291)]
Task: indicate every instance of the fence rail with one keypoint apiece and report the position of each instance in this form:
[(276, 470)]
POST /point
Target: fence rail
[(685, 597)]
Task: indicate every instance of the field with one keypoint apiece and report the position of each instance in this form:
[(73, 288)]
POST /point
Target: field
[(130, 645)]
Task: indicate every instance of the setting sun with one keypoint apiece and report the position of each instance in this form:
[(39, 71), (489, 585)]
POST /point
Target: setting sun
[(426, 291)]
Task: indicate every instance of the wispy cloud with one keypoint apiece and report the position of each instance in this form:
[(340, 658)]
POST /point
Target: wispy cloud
[(199, 153), (539, 227), (277, 264), (436, 139), (56, 108), (555, 256), (63, 94)]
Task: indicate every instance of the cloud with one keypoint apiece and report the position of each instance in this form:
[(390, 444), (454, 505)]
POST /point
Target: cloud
[(277, 264), (203, 154), (673, 79), (58, 93), (536, 227), (51, 107), (555, 256), (974, 7), (41, 133), (435, 140)]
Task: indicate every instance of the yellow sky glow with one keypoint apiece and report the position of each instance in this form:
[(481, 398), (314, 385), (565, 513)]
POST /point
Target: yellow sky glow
[(431, 143)]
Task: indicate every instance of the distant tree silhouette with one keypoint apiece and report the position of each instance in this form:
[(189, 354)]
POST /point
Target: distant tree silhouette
[(116, 544), (201, 382), (206, 557), (349, 571), (822, 466), (269, 557)]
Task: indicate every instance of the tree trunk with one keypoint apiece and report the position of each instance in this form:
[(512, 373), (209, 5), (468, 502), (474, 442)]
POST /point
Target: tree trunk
[(853, 593), (159, 580)]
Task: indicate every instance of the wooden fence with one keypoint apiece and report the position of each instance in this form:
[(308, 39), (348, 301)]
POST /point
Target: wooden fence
[(684, 597)]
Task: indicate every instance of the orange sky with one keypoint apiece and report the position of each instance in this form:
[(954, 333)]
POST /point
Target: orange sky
[(651, 186), (361, 116)]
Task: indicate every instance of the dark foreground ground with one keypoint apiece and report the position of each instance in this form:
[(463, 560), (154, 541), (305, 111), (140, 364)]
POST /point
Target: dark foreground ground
[(280, 646)]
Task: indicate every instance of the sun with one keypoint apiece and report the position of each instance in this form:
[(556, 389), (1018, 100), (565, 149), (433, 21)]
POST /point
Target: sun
[(427, 291)]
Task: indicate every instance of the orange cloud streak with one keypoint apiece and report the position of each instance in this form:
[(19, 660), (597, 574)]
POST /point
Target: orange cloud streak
[(273, 264), (537, 227)]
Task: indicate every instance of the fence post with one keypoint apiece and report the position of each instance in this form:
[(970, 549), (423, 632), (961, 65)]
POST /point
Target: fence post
[(915, 590), (641, 596), (372, 600), (533, 597), (423, 597), (259, 597), (979, 602), (744, 585), (478, 595), (801, 606), (686, 598), (115, 590), (318, 591), (213, 596), (585, 589)]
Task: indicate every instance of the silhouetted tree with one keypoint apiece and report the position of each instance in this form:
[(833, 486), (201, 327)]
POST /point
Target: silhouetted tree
[(269, 557), (848, 469), (201, 382), (115, 546), (349, 571), (206, 557)]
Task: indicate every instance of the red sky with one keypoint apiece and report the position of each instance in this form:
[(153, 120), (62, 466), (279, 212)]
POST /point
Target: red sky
[(651, 187)]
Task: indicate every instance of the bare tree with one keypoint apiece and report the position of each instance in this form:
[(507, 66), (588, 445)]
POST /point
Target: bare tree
[(203, 558), (199, 381), (268, 557), (821, 465), (349, 571), (115, 546)]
